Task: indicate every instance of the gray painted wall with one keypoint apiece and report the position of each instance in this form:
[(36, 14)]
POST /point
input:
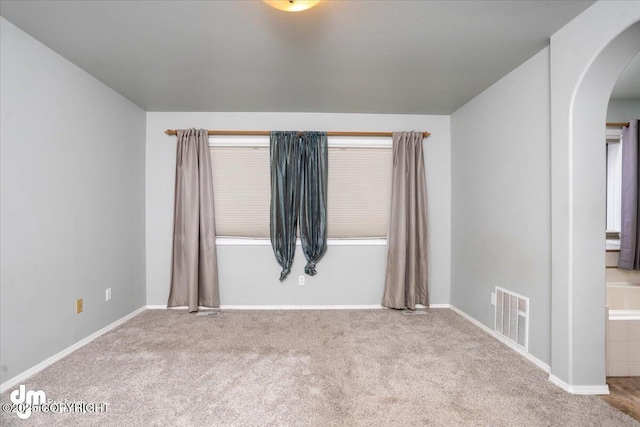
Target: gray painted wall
[(623, 110), (348, 275), (72, 203), (501, 222)]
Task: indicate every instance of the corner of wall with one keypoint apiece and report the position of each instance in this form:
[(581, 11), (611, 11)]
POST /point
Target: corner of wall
[(501, 226)]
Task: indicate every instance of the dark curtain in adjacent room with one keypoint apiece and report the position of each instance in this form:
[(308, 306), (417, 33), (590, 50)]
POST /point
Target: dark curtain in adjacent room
[(630, 232)]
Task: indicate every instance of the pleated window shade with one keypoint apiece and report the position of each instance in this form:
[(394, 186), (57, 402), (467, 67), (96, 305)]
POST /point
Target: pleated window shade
[(359, 191), (241, 191)]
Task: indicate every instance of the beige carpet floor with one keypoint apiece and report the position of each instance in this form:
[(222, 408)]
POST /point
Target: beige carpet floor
[(307, 368)]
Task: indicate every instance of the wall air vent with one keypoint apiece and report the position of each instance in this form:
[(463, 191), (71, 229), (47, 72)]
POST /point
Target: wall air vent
[(512, 317)]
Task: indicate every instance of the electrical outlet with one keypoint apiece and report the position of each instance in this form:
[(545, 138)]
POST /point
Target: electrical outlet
[(493, 298), (108, 294), (301, 280), (79, 306)]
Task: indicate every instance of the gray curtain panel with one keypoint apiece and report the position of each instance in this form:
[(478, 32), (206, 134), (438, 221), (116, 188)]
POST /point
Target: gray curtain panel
[(194, 275), (630, 233), (285, 150), (406, 281), (313, 198)]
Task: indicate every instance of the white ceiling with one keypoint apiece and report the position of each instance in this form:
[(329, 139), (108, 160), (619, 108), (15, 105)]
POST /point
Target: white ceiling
[(412, 57)]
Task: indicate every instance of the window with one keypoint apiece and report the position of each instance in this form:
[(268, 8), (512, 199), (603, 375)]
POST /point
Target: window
[(614, 180), (241, 193), (358, 193)]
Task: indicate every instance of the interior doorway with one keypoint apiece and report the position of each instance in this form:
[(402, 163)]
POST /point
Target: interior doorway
[(587, 59)]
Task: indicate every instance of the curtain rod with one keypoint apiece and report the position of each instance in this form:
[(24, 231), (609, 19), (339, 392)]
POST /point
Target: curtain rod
[(618, 125), (267, 133)]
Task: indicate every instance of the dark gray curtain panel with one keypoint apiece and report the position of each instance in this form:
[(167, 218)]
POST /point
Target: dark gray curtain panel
[(286, 165), (313, 198), (630, 232), (194, 270), (406, 282)]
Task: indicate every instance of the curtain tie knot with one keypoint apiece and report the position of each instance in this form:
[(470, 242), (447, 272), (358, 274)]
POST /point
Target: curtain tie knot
[(310, 268), (284, 273)]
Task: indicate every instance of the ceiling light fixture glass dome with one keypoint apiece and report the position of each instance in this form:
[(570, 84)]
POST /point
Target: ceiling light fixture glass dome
[(292, 5)]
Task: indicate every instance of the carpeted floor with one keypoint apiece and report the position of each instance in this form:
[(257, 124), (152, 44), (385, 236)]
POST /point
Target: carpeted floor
[(299, 368)]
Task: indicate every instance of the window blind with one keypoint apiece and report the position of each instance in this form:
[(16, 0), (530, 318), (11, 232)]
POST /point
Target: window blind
[(358, 191), (241, 190)]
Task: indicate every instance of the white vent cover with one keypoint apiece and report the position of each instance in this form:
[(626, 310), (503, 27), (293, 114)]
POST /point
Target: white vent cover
[(512, 317)]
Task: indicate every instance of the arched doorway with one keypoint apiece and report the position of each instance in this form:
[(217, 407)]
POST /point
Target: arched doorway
[(587, 57)]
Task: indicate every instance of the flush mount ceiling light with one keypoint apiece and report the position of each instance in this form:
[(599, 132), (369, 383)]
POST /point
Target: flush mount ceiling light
[(292, 5)]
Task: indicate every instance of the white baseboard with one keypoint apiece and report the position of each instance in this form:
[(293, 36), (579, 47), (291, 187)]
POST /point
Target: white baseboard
[(51, 360), (301, 307), (294, 307), (272, 307), (438, 305), (503, 340), (579, 389)]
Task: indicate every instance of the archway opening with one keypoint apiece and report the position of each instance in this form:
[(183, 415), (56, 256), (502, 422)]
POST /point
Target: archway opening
[(578, 192)]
